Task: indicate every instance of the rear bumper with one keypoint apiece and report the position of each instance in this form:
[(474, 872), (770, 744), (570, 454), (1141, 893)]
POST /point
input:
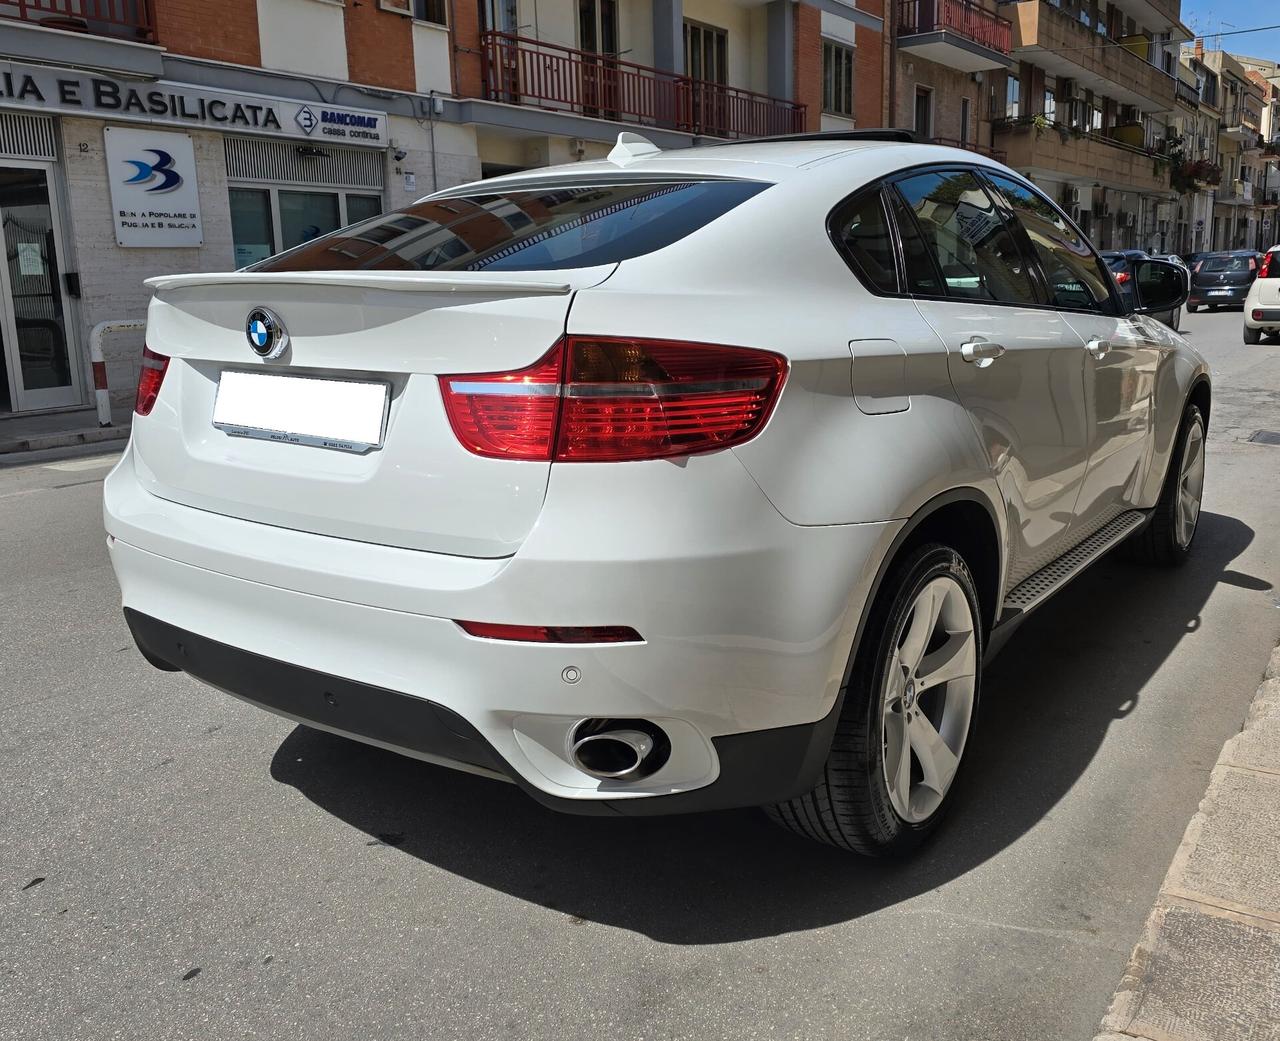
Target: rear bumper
[(1208, 295), (1268, 317), (747, 625), (755, 768)]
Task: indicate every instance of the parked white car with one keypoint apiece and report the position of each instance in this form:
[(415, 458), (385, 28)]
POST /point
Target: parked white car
[(678, 481), (1262, 305)]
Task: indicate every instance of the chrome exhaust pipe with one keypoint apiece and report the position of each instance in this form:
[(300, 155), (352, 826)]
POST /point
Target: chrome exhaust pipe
[(613, 754)]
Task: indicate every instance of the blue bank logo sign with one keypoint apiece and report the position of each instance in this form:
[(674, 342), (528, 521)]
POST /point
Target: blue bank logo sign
[(155, 190), (158, 173)]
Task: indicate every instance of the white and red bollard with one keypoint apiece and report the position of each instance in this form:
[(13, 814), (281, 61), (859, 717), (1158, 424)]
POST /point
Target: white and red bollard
[(101, 397)]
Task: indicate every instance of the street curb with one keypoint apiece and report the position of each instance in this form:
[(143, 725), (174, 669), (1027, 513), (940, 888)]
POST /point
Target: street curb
[(1207, 967), (64, 439)]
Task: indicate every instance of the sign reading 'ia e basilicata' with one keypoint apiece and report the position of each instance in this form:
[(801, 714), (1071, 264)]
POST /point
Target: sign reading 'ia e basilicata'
[(45, 89)]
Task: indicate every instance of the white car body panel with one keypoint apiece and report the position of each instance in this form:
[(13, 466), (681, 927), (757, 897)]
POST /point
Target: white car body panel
[(747, 572)]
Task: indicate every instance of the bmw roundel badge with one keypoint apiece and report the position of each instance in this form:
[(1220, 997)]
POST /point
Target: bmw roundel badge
[(266, 334)]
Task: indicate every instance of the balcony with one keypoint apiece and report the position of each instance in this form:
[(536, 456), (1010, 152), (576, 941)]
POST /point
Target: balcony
[(971, 146), (1187, 94), (956, 33), (1056, 151), (120, 19), (522, 71), (1065, 47)]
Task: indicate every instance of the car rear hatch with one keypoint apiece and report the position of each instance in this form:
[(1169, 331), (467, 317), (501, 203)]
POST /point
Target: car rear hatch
[(1267, 293), (347, 432), (418, 487), (1224, 272)]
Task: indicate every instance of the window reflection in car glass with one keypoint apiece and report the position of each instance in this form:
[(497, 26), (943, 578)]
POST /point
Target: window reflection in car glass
[(524, 230), (976, 253), (1070, 267)]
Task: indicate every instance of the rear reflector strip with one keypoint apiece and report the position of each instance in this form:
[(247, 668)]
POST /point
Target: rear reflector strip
[(552, 633)]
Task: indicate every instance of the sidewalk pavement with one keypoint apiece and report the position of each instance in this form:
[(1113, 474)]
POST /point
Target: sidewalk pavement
[(1208, 965), (61, 429)]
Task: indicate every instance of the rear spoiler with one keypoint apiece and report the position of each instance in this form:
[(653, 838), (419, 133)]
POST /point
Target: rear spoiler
[(420, 282)]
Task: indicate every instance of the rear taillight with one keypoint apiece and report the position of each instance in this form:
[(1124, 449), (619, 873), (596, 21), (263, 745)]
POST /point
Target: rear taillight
[(608, 399), (1266, 270), (1253, 264), (1196, 269), (1122, 277), (150, 376)]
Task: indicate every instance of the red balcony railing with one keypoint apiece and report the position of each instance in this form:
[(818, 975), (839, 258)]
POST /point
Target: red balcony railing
[(124, 19), (521, 71), (972, 146), (962, 17)]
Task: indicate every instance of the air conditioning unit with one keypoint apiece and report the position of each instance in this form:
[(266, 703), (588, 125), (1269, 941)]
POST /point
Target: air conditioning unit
[(1075, 214), (1072, 195)]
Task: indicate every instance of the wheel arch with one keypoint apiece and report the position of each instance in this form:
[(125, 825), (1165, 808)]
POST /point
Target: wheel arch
[(1201, 395), (968, 521)]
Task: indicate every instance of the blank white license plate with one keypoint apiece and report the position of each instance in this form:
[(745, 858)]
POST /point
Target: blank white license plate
[(348, 415), (1221, 292)]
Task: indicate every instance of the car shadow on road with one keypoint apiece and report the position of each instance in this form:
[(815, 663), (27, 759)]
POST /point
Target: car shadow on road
[(1071, 673)]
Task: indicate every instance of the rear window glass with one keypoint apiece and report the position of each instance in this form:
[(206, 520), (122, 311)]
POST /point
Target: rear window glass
[(1226, 263), (1116, 263), (538, 229)]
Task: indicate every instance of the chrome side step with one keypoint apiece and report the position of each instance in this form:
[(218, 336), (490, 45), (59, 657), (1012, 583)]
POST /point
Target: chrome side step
[(1032, 591)]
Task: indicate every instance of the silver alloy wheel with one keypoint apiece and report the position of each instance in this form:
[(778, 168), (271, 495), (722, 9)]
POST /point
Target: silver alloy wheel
[(1190, 485), (928, 699)]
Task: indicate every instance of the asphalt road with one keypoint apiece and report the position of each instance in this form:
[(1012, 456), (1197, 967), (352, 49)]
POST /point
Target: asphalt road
[(175, 864)]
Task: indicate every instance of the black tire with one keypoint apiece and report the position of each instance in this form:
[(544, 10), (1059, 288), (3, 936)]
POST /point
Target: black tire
[(1192, 308), (1157, 542), (850, 806), (1213, 308), (1252, 335)]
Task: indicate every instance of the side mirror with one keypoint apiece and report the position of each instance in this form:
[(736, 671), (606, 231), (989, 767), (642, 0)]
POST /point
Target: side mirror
[(1158, 286)]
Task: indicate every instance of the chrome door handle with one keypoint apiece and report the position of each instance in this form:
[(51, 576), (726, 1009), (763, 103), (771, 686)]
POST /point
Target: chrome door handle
[(1098, 348), (984, 352)]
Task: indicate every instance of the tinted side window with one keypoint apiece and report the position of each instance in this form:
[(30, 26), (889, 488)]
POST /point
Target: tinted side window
[(967, 235), (922, 274), (861, 230), (1070, 266)]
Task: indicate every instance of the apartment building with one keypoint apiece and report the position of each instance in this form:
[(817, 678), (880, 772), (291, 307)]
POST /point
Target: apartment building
[(952, 59), (1238, 204), (1194, 171), (1085, 112), (143, 137)]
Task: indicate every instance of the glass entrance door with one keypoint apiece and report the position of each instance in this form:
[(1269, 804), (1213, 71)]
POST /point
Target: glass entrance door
[(37, 355)]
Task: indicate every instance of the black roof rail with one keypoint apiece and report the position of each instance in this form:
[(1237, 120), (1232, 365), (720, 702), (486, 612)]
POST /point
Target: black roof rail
[(909, 137)]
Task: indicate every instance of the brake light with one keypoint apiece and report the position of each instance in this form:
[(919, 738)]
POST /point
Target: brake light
[(1196, 269), (608, 399), (1122, 277), (150, 376), (1265, 270), (1253, 264), (552, 633)]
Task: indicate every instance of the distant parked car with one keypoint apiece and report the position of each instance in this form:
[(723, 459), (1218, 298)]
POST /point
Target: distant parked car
[(1121, 262), (1222, 279), (1262, 305)]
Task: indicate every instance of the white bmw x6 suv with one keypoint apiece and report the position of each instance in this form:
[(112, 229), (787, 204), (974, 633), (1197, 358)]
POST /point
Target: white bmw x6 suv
[(677, 481)]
